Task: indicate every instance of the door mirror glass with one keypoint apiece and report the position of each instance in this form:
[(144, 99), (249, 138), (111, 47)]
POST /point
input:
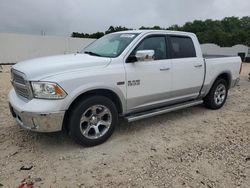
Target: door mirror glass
[(145, 55)]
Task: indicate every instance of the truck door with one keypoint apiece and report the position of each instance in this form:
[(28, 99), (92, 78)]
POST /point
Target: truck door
[(149, 82), (188, 69)]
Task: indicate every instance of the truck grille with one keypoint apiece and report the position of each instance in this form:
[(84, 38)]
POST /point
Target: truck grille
[(19, 83), (17, 78)]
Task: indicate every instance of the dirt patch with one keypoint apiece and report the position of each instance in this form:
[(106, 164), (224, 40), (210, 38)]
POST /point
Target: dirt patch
[(195, 147)]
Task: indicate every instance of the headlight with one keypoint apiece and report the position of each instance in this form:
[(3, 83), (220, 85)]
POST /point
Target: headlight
[(47, 90)]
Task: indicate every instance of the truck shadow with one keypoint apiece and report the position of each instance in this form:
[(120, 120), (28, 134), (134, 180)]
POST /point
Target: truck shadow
[(24, 138)]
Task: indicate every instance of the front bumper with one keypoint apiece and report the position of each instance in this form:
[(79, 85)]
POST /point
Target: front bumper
[(43, 121)]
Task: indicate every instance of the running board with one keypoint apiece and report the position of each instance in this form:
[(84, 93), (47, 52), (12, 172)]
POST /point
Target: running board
[(162, 110)]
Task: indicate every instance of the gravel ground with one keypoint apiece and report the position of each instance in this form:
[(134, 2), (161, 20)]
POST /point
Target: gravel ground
[(194, 147)]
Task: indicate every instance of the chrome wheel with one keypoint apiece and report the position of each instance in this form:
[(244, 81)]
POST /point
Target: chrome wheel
[(95, 122), (220, 94)]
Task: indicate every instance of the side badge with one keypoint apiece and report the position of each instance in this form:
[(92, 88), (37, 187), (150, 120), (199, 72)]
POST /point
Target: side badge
[(134, 83)]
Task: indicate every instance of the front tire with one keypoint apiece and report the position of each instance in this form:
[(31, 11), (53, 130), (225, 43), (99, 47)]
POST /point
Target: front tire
[(217, 95), (93, 120)]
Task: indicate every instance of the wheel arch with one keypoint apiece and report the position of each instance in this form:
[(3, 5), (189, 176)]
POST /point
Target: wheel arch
[(214, 101), (224, 75), (227, 77), (101, 92)]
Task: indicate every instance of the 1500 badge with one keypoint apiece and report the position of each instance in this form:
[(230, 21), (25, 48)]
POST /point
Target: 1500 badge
[(134, 83)]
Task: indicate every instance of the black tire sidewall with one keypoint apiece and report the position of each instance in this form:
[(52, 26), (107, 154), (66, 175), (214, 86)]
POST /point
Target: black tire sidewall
[(209, 99), (76, 114)]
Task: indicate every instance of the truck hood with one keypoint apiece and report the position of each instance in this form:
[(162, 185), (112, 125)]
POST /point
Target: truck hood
[(40, 68)]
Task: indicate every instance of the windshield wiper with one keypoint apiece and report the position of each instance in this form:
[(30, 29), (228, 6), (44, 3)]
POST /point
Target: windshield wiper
[(92, 53)]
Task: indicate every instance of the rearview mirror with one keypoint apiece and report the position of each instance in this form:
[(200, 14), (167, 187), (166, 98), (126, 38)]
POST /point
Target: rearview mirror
[(145, 55)]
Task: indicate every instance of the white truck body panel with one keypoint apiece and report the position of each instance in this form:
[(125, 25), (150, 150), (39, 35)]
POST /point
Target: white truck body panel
[(217, 66), (150, 76)]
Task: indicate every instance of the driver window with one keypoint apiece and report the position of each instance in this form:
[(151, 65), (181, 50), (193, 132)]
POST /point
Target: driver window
[(158, 44)]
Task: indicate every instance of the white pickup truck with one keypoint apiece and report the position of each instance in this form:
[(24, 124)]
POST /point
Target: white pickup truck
[(130, 75)]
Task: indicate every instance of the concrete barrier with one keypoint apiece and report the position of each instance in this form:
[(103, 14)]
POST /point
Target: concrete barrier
[(236, 50)]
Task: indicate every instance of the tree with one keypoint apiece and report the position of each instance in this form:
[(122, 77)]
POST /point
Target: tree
[(226, 32)]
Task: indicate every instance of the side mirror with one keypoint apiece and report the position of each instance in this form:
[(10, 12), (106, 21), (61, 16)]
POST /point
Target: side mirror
[(131, 59), (145, 55), (141, 55)]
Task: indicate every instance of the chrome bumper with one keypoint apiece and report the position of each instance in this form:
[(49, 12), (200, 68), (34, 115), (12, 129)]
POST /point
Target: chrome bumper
[(39, 122)]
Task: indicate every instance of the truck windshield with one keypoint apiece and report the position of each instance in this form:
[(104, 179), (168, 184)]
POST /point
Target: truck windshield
[(111, 45)]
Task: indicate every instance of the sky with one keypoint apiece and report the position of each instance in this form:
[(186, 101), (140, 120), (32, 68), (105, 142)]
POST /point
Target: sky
[(62, 17)]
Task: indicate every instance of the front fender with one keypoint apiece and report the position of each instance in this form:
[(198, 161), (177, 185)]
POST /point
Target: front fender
[(119, 91)]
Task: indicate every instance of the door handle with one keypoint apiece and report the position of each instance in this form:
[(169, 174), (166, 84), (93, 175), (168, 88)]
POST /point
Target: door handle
[(164, 69), (197, 66)]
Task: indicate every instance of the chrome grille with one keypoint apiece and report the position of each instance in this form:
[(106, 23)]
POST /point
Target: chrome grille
[(20, 84), (17, 78), (22, 92)]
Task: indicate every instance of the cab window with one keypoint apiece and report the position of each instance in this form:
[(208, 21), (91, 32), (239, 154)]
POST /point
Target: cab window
[(182, 47), (156, 43)]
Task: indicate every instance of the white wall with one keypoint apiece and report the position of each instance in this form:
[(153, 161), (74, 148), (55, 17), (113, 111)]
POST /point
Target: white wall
[(213, 49), (18, 47)]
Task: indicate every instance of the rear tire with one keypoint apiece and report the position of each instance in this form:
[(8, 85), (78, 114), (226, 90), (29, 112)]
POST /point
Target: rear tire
[(217, 95), (93, 120)]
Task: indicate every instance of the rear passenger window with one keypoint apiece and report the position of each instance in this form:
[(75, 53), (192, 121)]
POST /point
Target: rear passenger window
[(182, 47)]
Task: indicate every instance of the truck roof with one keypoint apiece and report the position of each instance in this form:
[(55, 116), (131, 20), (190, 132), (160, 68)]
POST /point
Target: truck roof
[(156, 31)]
